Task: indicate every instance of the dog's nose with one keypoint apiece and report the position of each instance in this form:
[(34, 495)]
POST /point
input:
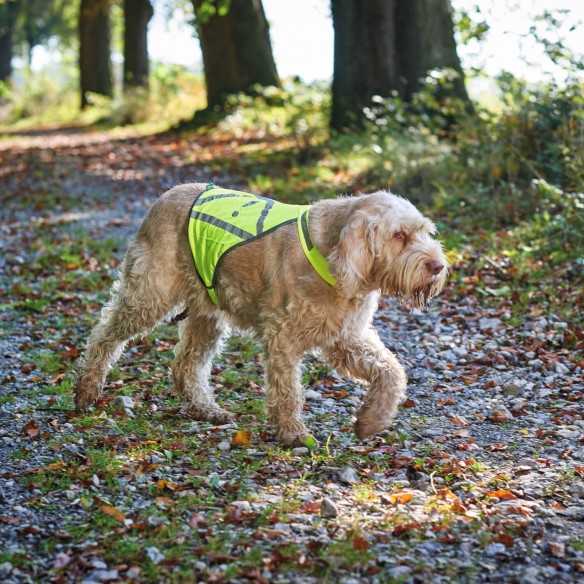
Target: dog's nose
[(435, 267)]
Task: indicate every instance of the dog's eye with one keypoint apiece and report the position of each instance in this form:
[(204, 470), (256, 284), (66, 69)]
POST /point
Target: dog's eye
[(400, 236)]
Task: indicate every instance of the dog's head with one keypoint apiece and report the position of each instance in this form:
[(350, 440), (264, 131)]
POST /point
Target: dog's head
[(386, 244)]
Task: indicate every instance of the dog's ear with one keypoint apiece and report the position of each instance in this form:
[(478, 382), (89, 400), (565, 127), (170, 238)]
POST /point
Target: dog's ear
[(351, 259)]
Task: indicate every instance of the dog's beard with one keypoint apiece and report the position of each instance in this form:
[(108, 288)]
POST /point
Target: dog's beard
[(410, 286)]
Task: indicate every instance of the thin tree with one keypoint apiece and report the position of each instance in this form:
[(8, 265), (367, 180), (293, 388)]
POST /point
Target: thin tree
[(236, 47), (94, 50), (137, 15), (9, 11)]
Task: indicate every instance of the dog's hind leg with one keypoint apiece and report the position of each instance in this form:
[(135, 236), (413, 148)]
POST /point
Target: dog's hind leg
[(365, 358), (142, 296), (201, 338), (284, 395)]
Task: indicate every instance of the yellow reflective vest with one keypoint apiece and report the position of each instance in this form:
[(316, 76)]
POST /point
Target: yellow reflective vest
[(222, 220)]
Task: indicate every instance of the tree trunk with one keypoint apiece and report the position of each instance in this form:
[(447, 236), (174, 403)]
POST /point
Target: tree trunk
[(425, 37), (137, 14), (365, 62), (384, 47), (94, 51), (8, 14), (237, 52)]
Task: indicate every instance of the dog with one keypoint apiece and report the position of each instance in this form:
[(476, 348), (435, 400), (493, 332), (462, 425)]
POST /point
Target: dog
[(309, 284)]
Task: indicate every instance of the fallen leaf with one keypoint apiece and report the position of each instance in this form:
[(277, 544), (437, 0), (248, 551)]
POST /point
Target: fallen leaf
[(164, 484), (459, 421), (409, 403), (31, 428), (6, 519), (196, 520), (360, 544), (312, 507), (557, 549), (113, 512), (502, 494), (400, 498), (241, 438), (445, 401), (461, 434)]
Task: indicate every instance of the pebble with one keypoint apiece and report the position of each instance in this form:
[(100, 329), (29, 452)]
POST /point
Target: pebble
[(224, 446), (349, 476), (300, 451), (124, 401), (489, 323), (494, 549), (5, 569), (328, 508), (529, 462), (154, 555), (312, 395)]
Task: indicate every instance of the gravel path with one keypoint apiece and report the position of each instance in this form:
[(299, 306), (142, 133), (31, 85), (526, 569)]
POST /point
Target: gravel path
[(479, 480)]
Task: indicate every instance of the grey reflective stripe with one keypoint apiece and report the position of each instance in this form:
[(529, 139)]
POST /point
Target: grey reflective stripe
[(197, 215), (212, 198), (265, 211), (250, 203), (304, 225)]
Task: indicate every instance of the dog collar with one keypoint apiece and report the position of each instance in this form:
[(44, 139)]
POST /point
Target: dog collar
[(318, 261)]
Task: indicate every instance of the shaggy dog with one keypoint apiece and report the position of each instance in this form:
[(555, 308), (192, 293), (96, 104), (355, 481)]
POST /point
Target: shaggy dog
[(377, 243)]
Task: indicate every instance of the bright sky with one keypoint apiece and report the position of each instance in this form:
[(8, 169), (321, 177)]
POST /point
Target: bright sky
[(302, 37)]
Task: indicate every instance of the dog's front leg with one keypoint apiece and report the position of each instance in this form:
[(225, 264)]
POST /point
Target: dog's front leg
[(284, 395), (365, 358)]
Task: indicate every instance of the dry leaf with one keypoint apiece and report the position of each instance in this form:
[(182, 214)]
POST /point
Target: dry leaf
[(313, 507), (459, 421), (360, 544), (31, 429), (557, 549), (409, 403), (502, 494), (400, 498), (113, 512), (241, 438)]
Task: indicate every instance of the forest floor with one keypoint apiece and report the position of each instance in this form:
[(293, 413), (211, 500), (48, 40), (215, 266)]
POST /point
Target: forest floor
[(480, 478)]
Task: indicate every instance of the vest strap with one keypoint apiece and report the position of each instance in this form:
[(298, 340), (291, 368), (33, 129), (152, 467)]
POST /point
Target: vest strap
[(314, 256)]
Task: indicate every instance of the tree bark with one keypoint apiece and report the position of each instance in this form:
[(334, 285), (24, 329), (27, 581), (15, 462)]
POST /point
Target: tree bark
[(425, 37), (237, 52), (385, 47), (365, 61), (94, 51), (137, 14), (8, 14)]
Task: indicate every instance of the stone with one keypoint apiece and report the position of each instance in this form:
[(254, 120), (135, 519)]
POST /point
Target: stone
[(242, 505), (124, 401), (328, 508), (312, 395), (514, 386), (224, 446), (499, 415), (300, 451), (349, 476), (154, 555), (489, 323), (5, 569), (494, 549)]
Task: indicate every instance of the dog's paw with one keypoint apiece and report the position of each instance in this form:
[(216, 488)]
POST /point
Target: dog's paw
[(213, 415), (367, 425), (85, 395)]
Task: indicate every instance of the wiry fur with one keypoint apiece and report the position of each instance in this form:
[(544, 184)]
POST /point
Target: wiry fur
[(374, 243)]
